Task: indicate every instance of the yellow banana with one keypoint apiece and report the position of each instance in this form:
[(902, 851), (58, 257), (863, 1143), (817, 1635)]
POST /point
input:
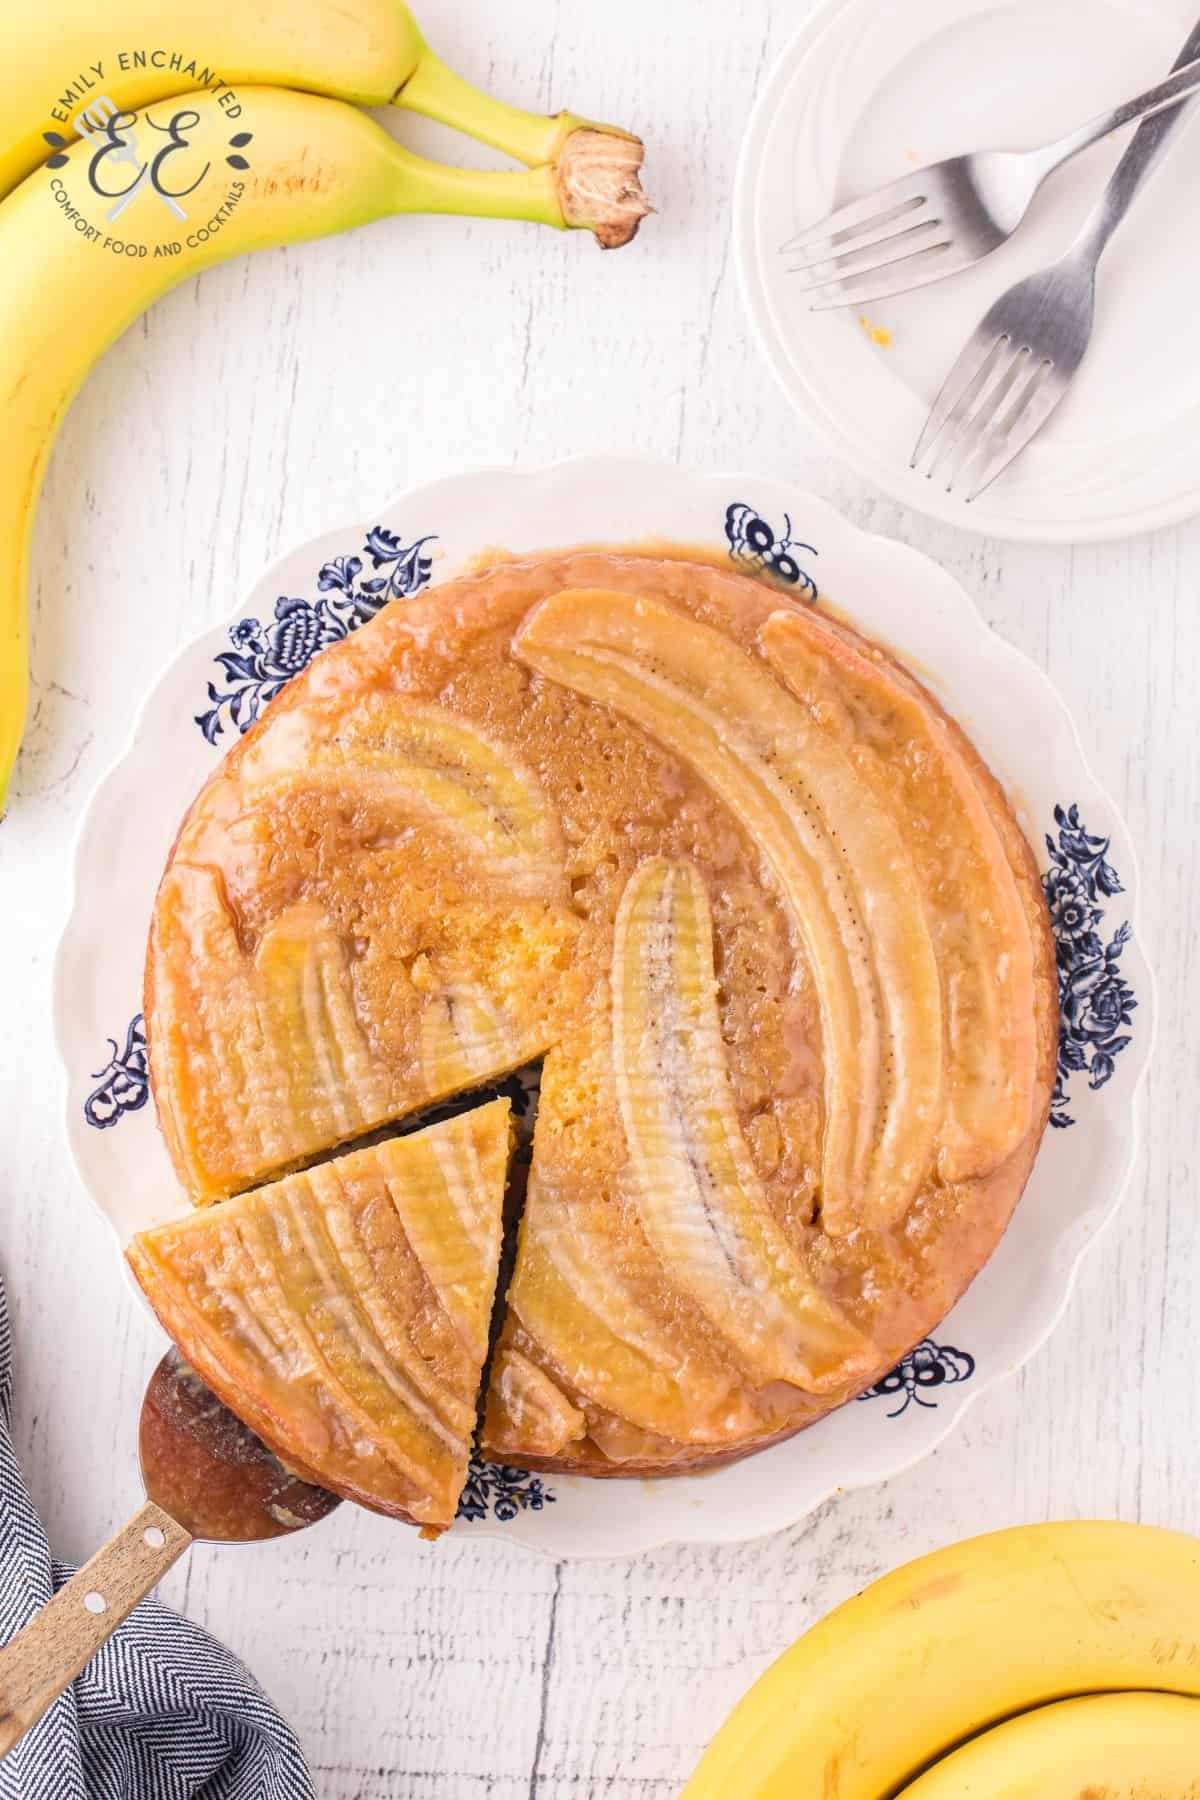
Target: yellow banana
[(90, 243), (1108, 1746), (133, 52), (952, 1644)]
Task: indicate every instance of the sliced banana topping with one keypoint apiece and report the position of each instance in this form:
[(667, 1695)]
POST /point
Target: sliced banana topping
[(463, 1038), (444, 1204), (607, 1352), (220, 1097), (360, 1258), (397, 755), (527, 1409), (699, 1198), (306, 1001), (314, 1308), (577, 1290), (983, 937), (354, 1328), (269, 1047), (836, 853)]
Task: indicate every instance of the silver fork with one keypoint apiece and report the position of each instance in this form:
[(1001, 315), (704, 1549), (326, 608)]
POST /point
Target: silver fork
[(943, 218), (1021, 358)]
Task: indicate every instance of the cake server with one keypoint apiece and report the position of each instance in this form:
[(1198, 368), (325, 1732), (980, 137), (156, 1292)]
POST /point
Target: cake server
[(208, 1479), (943, 218), (1023, 355)]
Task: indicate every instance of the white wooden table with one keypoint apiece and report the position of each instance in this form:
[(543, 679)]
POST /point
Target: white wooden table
[(287, 394)]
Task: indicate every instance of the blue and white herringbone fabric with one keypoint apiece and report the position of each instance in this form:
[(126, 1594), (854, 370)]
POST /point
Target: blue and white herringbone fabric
[(162, 1713)]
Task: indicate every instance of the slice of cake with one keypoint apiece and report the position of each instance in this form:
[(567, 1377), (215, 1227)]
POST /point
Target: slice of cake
[(343, 1313)]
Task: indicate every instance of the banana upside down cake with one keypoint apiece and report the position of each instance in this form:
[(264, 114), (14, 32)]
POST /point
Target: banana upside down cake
[(750, 897)]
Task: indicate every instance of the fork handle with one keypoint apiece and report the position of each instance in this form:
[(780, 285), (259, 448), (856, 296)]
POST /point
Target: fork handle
[(1142, 156), (1176, 87)]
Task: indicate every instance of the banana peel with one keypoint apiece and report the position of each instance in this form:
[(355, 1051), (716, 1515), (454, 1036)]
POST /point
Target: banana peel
[(952, 1644)]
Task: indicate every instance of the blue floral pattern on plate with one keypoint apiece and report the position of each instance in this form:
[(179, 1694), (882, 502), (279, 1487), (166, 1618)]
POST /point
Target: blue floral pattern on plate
[(765, 551), (926, 1367), (495, 1489), (264, 658), (1096, 1003)]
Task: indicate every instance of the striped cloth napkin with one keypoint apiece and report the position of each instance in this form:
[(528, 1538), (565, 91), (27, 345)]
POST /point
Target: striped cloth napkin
[(164, 1712)]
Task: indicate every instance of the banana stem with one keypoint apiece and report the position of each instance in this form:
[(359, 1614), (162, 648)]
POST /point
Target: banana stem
[(596, 168), (436, 92), (430, 187), (593, 186)]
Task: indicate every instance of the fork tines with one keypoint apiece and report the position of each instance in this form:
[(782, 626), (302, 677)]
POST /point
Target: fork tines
[(888, 242), (994, 400)]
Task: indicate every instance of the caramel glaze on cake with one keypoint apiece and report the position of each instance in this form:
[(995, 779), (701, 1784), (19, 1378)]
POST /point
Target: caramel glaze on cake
[(739, 880)]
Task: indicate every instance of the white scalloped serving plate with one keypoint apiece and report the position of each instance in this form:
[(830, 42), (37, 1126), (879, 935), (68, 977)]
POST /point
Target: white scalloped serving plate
[(1011, 712), (866, 91)]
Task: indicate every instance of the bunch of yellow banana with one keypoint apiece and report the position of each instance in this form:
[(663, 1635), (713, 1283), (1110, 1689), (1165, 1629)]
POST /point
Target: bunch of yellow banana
[(147, 139), (1045, 1663)]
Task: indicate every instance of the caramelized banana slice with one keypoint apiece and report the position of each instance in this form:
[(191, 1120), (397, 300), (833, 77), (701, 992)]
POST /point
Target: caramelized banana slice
[(257, 1061), (311, 1304), (984, 942), (305, 1309), (701, 1203), (445, 1205), (526, 1412), (595, 1332), (377, 1266), (835, 851), (396, 754), (307, 1005), (463, 1038), (221, 1101)]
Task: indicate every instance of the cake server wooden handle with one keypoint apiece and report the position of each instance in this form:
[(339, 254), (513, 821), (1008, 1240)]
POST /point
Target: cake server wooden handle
[(54, 1647)]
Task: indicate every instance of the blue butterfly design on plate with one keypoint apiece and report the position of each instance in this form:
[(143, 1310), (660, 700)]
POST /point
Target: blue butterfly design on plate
[(768, 552), (124, 1080), (926, 1367)]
